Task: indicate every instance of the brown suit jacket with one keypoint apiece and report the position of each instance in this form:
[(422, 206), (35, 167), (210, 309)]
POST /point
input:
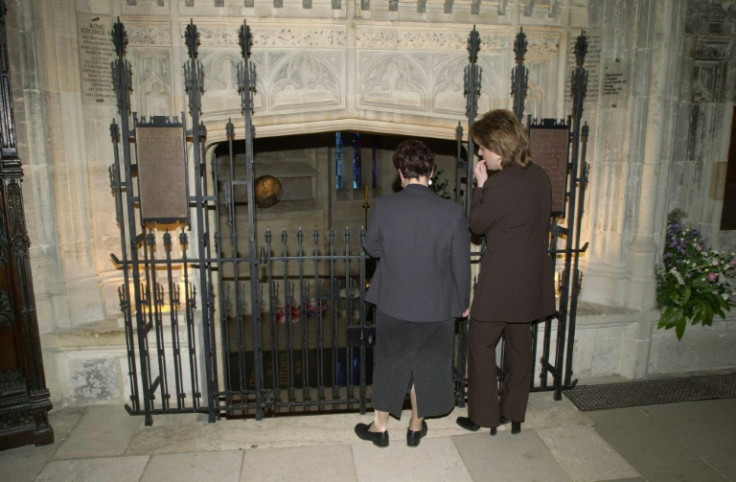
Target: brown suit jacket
[(516, 281)]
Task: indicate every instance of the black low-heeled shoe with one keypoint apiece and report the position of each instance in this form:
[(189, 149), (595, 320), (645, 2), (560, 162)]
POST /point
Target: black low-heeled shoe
[(414, 437), (467, 424), (379, 439), (515, 427)]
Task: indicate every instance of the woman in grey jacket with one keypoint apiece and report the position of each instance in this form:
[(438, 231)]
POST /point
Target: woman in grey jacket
[(421, 285)]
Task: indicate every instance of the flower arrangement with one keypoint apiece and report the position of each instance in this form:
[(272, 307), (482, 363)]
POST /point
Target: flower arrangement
[(694, 283)]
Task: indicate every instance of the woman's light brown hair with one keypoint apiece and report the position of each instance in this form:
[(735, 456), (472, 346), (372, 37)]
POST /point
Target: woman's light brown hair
[(501, 132)]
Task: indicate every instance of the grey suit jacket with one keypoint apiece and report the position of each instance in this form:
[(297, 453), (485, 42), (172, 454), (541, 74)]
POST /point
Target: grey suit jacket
[(422, 242)]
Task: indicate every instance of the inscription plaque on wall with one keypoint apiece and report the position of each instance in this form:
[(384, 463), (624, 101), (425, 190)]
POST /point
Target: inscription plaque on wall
[(550, 149), (615, 82), (161, 174), (96, 53)]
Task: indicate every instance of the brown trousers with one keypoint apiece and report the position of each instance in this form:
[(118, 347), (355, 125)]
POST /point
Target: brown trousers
[(484, 405)]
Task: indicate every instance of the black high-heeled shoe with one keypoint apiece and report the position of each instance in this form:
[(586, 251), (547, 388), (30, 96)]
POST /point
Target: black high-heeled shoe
[(467, 424), (379, 439)]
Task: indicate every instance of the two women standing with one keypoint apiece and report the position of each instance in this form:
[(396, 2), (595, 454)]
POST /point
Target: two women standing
[(422, 283)]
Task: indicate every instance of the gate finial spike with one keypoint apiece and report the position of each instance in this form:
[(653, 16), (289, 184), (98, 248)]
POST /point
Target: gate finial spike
[(245, 40), (119, 38), (191, 36), (581, 49), (520, 46), (474, 45)]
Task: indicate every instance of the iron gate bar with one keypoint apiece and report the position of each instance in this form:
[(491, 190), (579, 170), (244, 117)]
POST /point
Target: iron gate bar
[(225, 296), (579, 81), (194, 85), (154, 299), (578, 276), (461, 164), (473, 86), (247, 87), (191, 306), (122, 81), (173, 291), (116, 186)]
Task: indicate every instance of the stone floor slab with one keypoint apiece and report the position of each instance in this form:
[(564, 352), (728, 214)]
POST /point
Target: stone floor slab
[(104, 469), (434, 460), (706, 428), (584, 455), (324, 463), (220, 466), (649, 447), (64, 421), (507, 457), (103, 431), (190, 434), (724, 464), (544, 411), (26, 462)]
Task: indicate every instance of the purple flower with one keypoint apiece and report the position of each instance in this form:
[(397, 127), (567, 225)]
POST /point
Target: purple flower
[(713, 277)]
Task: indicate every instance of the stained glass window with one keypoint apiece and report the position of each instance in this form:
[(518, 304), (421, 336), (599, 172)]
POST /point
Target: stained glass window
[(339, 166)]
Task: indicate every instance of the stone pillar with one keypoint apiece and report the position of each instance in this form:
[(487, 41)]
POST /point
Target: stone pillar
[(664, 57)]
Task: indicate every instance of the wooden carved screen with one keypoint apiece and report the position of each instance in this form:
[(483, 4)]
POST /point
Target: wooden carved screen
[(24, 398)]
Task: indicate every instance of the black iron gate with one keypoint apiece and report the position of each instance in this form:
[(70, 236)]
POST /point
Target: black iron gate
[(226, 321)]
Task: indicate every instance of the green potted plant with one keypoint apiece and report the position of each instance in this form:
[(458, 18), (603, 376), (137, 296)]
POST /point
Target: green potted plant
[(694, 282)]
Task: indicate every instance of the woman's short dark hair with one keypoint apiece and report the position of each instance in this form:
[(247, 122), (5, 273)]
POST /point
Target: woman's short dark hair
[(414, 159), (501, 132)]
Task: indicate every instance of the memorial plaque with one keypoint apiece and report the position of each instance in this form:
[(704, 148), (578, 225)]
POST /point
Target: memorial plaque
[(96, 53), (616, 82), (549, 147), (161, 175)]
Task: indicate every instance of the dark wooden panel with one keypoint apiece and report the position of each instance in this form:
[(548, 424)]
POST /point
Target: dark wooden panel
[(24, 398), (728, 215)]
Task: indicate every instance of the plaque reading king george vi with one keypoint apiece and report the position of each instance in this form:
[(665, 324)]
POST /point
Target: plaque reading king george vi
[(161, 174)]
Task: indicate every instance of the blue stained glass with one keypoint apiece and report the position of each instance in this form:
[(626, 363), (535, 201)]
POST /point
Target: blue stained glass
[(338, 162), (357, 164)]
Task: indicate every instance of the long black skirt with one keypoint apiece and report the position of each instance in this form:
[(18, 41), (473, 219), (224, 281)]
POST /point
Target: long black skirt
[(412, 352)]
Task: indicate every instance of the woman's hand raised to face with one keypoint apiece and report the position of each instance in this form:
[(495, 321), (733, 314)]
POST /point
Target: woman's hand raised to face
[(480, 173)]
